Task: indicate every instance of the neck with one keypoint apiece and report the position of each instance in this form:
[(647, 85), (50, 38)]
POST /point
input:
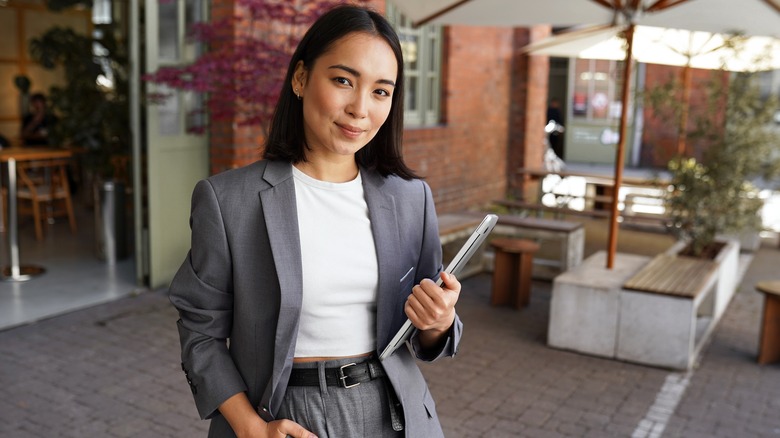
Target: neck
[(330, 171)]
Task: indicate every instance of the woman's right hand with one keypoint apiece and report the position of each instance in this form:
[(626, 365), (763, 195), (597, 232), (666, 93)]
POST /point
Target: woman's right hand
[(285, 428), (247, 424)]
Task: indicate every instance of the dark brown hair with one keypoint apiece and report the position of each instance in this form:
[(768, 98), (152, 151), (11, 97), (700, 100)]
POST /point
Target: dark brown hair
[(286, 139)]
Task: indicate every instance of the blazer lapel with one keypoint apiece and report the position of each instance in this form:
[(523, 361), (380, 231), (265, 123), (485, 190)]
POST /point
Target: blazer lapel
[(281, 216), (384, 225)]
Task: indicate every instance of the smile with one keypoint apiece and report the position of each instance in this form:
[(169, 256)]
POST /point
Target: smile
[(350, 131)]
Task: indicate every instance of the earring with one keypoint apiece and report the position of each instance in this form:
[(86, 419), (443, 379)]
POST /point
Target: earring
[(296, 94)]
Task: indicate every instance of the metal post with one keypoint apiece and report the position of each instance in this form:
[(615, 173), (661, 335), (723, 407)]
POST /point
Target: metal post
[(15, 272)]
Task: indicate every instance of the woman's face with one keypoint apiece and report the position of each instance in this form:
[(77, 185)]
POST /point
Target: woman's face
[(347, 95)]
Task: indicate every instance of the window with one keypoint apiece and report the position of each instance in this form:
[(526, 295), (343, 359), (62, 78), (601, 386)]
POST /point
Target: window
[(422, 69), (597, 89), (182, 109)]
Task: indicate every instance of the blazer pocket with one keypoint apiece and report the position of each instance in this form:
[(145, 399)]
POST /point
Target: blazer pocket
[(407, 283), (407, 275)]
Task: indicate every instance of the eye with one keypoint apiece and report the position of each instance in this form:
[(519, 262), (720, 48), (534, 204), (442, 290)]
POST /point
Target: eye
[(382, 92), (342, 81)]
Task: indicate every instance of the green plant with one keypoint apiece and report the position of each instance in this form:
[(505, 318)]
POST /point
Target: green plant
[(92, 105), (716, 195)]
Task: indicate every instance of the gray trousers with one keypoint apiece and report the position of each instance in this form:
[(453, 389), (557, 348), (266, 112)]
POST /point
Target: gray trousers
[(336, 412)]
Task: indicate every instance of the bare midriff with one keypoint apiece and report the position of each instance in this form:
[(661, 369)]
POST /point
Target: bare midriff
[(322, 359)]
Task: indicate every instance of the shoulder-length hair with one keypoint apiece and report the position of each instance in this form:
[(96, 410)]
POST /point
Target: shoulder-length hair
[(286, 139)]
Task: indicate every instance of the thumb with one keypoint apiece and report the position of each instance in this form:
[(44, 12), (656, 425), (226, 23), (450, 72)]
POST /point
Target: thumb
[(450, 282)]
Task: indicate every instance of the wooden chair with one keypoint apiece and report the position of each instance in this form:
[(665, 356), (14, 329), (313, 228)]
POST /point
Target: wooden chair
[(43, 192)]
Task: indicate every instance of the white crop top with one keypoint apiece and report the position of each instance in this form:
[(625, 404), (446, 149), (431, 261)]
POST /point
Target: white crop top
[(340, 272)]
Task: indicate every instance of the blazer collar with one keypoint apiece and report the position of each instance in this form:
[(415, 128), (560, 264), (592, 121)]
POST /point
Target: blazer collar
[(387, 238), (280, 214)]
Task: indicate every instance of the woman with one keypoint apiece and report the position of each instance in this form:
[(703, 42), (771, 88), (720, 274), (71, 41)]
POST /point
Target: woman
[(310, 260)]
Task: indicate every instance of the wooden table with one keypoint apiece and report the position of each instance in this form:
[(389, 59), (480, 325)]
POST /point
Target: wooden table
[(769, 349), (15, 271)]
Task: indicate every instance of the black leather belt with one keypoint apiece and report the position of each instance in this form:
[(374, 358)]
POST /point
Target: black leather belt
[(346, 376)]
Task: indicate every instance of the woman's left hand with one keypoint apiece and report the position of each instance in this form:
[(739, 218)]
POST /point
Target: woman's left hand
[(431, 308)]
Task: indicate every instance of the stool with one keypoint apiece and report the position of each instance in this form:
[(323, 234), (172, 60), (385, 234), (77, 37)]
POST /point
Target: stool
[(769, 348), (512, 271)]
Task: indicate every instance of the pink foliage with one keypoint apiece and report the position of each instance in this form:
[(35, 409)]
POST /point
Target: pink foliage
[(242, 71)]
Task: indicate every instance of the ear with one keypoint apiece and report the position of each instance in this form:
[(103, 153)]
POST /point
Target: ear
[(299, 78)]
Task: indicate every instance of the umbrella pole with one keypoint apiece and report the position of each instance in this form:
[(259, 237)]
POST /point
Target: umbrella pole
[(620, 153)]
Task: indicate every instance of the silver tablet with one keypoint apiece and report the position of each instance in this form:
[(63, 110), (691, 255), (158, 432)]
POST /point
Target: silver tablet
[(456, 265)]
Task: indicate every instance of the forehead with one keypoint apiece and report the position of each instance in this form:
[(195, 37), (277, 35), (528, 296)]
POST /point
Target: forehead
[(367, 53)]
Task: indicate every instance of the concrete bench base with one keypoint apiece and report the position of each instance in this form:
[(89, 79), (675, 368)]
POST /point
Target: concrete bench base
[(591, 312)]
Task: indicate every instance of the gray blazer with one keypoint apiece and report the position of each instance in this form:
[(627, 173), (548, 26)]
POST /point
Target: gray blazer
[(242, 282)]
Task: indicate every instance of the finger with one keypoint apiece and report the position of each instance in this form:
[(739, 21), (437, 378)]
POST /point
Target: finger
[(432, 295), (291, 428), (413, 315), (428, 302), (421, 318), (427, 293)]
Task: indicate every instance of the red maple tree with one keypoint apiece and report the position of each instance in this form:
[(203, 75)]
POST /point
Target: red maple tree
[(240, 73)]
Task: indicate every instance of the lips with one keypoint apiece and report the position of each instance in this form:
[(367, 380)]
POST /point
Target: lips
[(350, 131)]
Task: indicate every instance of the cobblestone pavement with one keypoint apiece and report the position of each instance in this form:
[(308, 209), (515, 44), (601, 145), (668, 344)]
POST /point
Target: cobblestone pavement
[(113, 371)]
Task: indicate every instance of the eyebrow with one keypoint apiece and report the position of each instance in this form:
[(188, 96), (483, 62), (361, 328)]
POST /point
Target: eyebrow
[(356, 73)]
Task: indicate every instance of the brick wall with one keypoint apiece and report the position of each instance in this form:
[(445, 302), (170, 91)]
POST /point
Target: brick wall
[(464, 158), (660, 133), (221, 134), (528, 111), (486, 91)]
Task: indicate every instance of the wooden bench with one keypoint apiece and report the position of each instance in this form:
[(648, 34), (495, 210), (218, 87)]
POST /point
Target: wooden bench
[(633, 219), (557, 212), (769, 345), (454, 229), (672, 275), (668, 311), (565, 249), (454, 226), (566, 238)]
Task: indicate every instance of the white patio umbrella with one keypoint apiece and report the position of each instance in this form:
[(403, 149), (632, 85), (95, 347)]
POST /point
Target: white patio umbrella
[(751, 17), (655, 45)]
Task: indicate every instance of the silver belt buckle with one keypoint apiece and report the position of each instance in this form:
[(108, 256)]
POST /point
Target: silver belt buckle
[(343, 378)]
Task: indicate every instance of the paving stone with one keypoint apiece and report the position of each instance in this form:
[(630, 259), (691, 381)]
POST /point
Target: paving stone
[(113, 370)]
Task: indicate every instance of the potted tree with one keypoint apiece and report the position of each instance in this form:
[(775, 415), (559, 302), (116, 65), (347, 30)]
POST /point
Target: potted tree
[(92, 108), (713, 202), (717, 196)]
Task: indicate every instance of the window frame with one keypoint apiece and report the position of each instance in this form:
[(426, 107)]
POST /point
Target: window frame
[(422, 102)]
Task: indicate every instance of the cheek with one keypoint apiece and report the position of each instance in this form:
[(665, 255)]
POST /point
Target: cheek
[(319, 105), (381, 115)]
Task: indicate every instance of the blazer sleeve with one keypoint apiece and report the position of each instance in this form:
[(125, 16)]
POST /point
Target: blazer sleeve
[(201, 291), (430, 266)]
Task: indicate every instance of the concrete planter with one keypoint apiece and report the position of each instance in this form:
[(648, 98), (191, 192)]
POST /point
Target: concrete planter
[(592, 313)]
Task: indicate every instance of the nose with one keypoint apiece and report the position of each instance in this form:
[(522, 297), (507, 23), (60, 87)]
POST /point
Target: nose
[(358, 106)]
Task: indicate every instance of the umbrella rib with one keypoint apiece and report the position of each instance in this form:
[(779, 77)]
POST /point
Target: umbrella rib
[(772, 4), (438, 14), (663, 4), (607, 4)]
